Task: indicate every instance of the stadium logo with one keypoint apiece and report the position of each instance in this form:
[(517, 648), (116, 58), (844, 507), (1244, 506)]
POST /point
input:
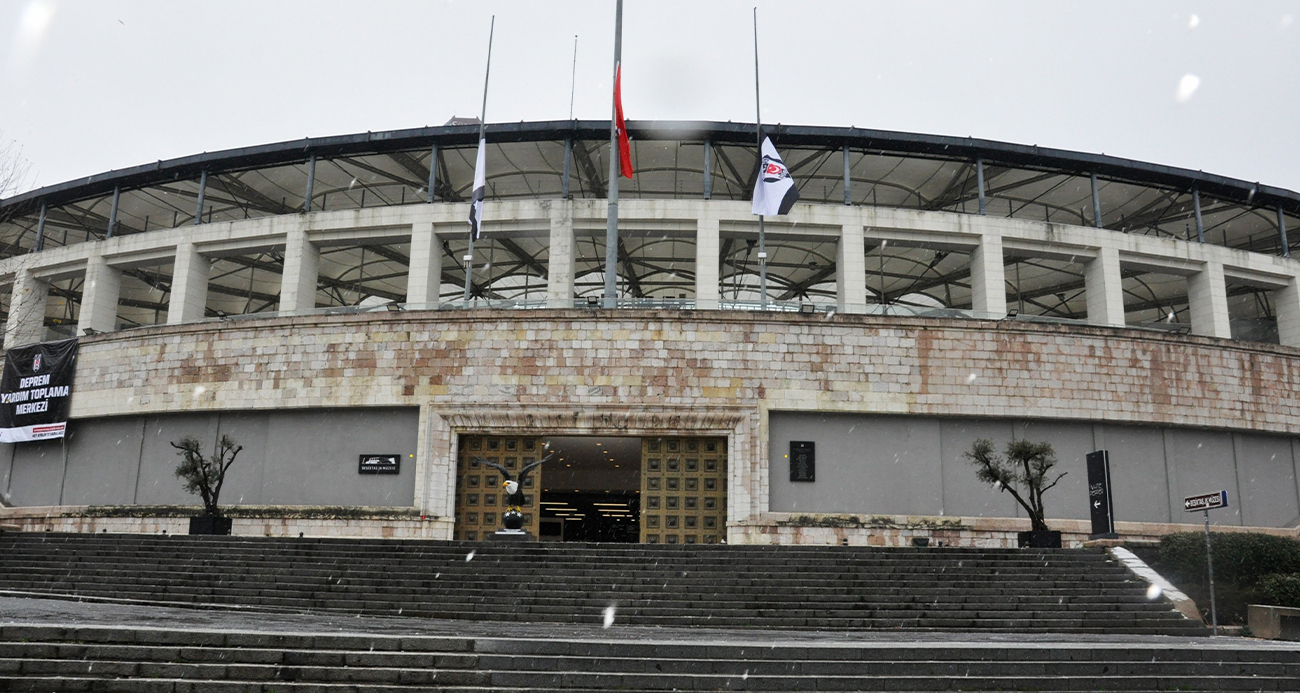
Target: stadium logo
[(36, 362)]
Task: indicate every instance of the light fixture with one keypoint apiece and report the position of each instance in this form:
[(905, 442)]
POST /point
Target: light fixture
[(593, 301), (90, 331), (1012, 313), (807, 309), (221, 314), (393, 307)]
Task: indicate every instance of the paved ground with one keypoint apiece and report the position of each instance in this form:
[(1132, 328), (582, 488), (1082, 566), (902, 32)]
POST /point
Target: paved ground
[(61, 612)]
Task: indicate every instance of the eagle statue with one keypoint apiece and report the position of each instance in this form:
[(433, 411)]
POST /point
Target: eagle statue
[(513, 519)]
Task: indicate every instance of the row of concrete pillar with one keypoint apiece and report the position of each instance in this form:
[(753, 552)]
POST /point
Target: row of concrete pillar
[(1207, 294)]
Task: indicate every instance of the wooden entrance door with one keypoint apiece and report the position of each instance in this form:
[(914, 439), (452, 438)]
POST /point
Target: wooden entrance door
[(683, 490)]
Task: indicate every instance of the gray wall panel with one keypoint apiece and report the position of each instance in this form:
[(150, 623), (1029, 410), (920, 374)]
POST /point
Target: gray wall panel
[(6, 465), (1139, 485), (103, 457), (158, 484), (1205, 462), (37, 473), (963, 494), (1266, 477), (864, 465), (312, 457), (1152, 468), (244, 479)]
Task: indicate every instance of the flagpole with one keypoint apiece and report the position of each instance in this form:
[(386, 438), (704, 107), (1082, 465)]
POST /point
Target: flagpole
[(573, 77), (758, 131), (482, 130), (611, 226)]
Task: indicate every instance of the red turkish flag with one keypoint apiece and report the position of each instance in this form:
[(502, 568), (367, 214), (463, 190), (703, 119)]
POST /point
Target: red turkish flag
[(624, 147)]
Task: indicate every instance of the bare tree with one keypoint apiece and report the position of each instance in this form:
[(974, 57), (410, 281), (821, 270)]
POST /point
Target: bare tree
[(205, 475), (1023, 473), (15, 171)]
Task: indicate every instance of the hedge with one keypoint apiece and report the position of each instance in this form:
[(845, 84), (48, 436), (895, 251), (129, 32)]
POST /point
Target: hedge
[(1280, 589), (1239, 558)]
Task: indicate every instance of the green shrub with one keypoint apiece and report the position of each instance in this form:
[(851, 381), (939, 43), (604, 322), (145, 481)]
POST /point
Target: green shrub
[(1243, 564), (1280, 589), (1241, 559)]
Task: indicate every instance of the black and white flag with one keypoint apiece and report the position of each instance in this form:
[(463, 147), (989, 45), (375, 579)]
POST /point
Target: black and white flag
[(480, 190), (774, 193)]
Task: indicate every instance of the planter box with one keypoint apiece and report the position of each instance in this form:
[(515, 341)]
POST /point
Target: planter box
[(210, 525), (1050, 539), (1273, 622)]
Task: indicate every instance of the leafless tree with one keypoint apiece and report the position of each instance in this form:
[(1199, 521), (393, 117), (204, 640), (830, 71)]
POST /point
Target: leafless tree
[(15, 171)]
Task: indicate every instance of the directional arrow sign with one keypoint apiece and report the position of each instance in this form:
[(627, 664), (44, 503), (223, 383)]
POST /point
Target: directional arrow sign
[(1103, 519), (1206, 501)]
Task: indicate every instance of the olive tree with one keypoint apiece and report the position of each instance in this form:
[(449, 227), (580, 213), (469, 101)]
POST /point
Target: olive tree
[(1023, 470), (205, 475)]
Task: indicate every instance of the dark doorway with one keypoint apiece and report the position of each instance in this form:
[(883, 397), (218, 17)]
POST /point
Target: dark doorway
[(590, 517), (591, 490)]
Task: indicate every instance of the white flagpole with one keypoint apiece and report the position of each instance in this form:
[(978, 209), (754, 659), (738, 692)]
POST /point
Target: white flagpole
[(482, 129), (758, 115), (611, 225)]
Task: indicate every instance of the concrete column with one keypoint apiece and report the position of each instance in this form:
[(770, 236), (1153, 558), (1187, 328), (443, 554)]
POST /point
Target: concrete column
[(189, 297), (1287, 301), (707, 263), (1104, 289), (988, 281), (1207, 295), (851, 270), (424, 277), (298, 284), (26, 323), (559, 265), (99, 294)]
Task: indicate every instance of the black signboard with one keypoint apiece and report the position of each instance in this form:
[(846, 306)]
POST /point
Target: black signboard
[(803, 460), (380, 464), (36, 391), (1099, 502)]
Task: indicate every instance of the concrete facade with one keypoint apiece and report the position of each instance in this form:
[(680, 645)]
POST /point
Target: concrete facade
[(314, 381)]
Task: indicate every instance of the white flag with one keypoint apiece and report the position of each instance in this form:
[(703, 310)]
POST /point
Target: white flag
[(480, 190), (774, 192)]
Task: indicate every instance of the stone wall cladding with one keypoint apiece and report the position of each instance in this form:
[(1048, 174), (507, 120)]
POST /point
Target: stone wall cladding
[(698, 359)]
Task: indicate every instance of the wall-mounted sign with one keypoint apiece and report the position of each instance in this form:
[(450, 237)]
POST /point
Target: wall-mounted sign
[(1099, 499), (36, 391), (380, 464), (803, 460)]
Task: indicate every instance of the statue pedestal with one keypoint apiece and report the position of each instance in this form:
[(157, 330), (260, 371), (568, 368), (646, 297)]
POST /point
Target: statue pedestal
[(510, 535)]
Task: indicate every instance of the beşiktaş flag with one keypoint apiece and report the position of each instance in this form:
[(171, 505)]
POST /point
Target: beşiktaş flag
[(774, 192), (36, 391), (480, 190)]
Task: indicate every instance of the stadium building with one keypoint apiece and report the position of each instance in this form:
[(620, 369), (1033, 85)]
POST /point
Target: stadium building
[(307, 298)]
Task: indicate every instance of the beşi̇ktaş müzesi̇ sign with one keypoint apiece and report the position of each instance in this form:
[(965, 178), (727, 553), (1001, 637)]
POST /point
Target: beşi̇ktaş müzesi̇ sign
[(36, 391)]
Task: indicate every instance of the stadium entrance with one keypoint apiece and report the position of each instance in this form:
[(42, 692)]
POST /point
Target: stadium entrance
[(601, 489)]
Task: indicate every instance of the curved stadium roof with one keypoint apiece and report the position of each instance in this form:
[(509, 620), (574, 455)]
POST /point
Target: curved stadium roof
[(528, 160)]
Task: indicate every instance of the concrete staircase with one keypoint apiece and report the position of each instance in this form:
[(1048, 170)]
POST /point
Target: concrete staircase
[(763, 587), (153, 660)]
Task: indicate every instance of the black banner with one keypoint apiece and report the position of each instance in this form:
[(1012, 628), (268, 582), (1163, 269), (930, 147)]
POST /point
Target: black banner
[(1099, 503), (36, 391)]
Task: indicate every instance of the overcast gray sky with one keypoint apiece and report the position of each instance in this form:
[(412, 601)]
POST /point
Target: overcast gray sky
[(90, 86)]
